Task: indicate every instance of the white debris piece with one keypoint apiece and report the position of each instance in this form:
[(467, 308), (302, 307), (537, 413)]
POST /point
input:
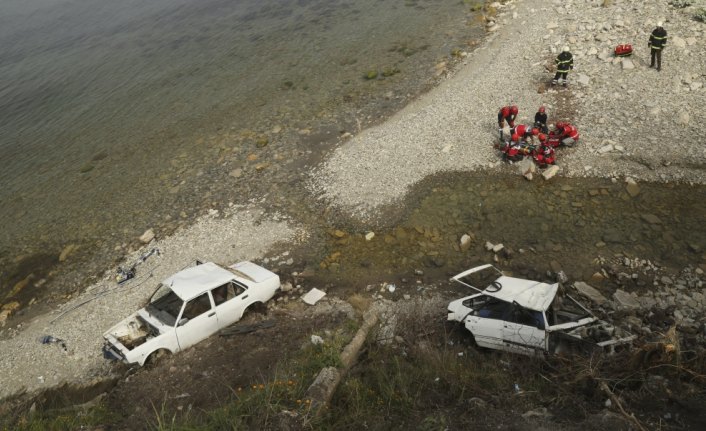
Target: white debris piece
[(313, 296)]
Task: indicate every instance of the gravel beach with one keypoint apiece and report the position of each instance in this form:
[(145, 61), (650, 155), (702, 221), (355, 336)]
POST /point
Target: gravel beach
[(634, 122)]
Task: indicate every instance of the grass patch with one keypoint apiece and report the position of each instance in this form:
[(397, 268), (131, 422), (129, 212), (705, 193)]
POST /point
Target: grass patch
[(58, 420)]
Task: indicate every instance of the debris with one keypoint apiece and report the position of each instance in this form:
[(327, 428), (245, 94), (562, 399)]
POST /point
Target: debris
[(129, 273), (391, 288), (50, 339), (369, 236), (313, 296), (246, 329), (316, 340)]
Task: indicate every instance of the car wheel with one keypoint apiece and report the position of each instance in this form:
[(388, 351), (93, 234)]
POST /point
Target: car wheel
[(156, 357)]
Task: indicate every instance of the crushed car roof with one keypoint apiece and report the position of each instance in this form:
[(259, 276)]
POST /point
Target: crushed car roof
[(192, 281), (530, 294)]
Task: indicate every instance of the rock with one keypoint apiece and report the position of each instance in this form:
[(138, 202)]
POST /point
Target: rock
[(625, 300), (583, 79), (489, 245), (236, 173), (597, 277), (552, 25), (677, 41), (550, 172), (632, 188), (628, 64), (651, 218), (526, 167), (605, 149), (369, 236), (148, 236), (465, 243), (339, 233), (286, 286), (590, 292), (66, 252), (497, 248)]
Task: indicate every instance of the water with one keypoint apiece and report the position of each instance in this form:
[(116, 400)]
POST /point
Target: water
[(118, 116)]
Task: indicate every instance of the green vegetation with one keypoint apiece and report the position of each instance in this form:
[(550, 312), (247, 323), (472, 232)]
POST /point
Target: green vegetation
[(371, 74), (68, 419), (700, 14)]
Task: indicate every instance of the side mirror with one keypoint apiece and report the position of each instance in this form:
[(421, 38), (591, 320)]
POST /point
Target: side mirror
[(183, 321)]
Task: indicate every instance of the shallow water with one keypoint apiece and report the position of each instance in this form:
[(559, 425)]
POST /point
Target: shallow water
[(543, 225), (118, 116)]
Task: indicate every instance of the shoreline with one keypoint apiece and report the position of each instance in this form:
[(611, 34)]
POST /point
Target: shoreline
[(372, 161)]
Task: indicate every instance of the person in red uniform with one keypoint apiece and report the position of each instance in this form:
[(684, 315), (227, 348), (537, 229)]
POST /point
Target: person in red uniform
[(564, 134), (524, 131), (544, 155), (506, 113)]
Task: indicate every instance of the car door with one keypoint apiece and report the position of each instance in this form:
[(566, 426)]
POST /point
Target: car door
[(524, 330), (197, 321), (486, 324), (231, 300)]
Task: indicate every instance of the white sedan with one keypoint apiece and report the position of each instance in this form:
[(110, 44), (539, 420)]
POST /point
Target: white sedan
[(528, 317), (188, 307)]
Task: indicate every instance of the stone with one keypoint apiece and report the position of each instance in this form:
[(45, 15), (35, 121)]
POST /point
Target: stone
[(236, 173), (632, 188), (550, 172), (497, 248), (590, 292), (369, 236), (552, 25), (625, 300), (465, 243), (526, 167), (66, 252), (148, 236), (627, 64), (489, 245), (286, 286), (583, 79), (605, 149), (651, 218), (339, 233)]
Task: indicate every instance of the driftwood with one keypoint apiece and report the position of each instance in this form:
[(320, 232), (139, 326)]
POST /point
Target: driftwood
[(321, 391), (631, 417)]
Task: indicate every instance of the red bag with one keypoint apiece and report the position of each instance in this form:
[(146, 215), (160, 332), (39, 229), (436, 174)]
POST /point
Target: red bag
[(623, 50)]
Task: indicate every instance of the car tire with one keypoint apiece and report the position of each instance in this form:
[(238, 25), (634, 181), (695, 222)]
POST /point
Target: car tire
[(156, 357)]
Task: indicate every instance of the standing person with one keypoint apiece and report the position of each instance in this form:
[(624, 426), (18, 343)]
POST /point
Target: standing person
[(540, 120), (658, 40), (564, 63), (506, 113)]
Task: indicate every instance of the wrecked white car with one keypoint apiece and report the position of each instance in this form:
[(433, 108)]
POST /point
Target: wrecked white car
[(528, 317), (188, 307)]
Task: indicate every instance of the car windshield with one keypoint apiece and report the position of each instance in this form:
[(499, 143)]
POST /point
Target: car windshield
[(165, 305)]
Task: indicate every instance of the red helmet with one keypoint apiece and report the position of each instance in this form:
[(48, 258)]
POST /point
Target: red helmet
[(515, 137), (542, 137), (513, 109), (541, 109), (560, 125), (535, 131)]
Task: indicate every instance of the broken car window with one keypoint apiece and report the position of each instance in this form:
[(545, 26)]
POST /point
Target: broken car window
[(197, 306), (223, 293), (165, 305), (494, 309)]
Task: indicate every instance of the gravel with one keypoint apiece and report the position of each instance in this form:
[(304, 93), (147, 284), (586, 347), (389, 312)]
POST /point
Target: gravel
[(242, 233), (639, 112)]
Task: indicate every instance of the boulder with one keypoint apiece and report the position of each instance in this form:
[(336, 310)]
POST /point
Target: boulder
[(147, 236), (526, 168), (625, 300), (590, 292), (631, 187)]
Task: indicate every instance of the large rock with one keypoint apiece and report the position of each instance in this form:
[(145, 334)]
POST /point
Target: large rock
[(625, 300), (527, 167), (590, 292), (631, 187), (147, 236)]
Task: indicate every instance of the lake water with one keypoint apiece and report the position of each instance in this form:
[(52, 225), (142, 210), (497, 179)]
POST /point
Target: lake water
[(118, 115)]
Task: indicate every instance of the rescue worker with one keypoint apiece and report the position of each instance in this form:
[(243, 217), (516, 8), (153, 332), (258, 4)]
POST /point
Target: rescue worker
[(568, 135), (658, 40), (525, 132), (545, 154), (564, 63), (540, 120), (506, 113)]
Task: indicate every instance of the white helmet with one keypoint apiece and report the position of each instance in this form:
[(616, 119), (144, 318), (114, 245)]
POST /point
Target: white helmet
[(565, 49), (659, 24)]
